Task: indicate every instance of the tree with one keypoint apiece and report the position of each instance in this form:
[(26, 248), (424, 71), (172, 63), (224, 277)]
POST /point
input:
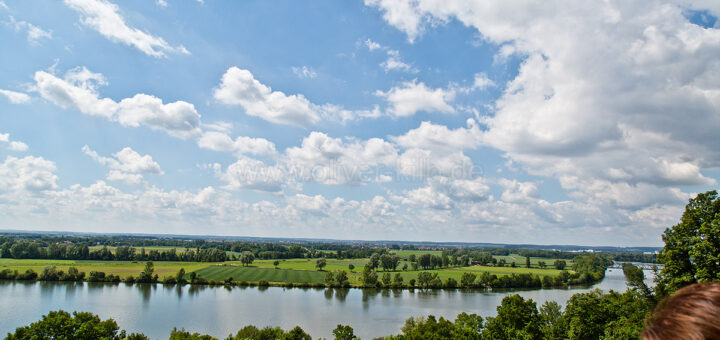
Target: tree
[(517, 318), (386, 279), (385, 261), (636, 279), (344, 333), (424, 261), (501, 263), (79, 325), (468, 326), (146, 276), (560, 264), (428, 280), (351, 267), (246, 258), (320, 264), (412, 258), (180, 276), (692, 247), (550, 325), (342, 279), (329, 279), (374, 261), (389, 261), (405, 267), (276, 263), (542, 264), (369, 276), (527, 261), (467, 279), (398, 280)]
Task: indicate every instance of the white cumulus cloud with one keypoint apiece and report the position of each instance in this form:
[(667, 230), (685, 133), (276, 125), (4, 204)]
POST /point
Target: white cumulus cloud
[(78, 90), (105, 18), (414, 96)]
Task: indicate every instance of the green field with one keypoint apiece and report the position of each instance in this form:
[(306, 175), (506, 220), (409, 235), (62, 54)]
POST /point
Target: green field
[(121, 268), (289, 270), (406, 253), (255, 274), (520, 261)]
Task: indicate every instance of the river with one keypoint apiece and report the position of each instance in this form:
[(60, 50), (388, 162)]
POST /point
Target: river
[(155, 309)]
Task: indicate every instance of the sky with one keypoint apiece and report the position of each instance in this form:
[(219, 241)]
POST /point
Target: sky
[(537, 122)]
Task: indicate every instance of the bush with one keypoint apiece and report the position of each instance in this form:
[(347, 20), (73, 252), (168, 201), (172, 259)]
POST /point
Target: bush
[(263, 283)]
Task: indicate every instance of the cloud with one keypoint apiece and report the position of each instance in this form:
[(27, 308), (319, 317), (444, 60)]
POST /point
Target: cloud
[(105, 18), (219, 141), (78, 90), (481, 81), (238, 87), (439, 137), (413, 96), (323, 159), (12, 145), (402, 14), (395, 63), (247, 173), (28, 174), (126, 165), (161, 3), (34, 33), (15, 97), (629, 105), (304, 72), (372, 46)]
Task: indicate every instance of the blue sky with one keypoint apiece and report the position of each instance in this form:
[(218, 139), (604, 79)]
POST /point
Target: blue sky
[(541, 123)]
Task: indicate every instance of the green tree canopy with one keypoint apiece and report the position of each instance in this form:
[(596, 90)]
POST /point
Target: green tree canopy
[(692, 247)]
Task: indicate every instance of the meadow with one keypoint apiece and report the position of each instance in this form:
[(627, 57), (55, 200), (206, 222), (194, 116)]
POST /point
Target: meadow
[(121, 268), (287, 270)]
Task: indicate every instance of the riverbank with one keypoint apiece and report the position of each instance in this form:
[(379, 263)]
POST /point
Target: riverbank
[(300, 273)]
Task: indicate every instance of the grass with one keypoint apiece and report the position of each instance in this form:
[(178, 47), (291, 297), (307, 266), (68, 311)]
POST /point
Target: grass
[(289, 270), (520, 261), (254, 274), (121, 268), (406, 253)]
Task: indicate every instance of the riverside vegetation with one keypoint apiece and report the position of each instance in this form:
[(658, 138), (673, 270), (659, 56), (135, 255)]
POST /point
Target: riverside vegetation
[(117, 259), (689, 256)]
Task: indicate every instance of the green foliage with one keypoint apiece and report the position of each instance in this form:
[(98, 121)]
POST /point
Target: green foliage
[(369, 277), (560, 264), (341, 279), (692, 247), (330, 279), (180, 276), (344, 333), (247, 258), (428, 280), (320, 263), (269, 333), (63, 325), (182, 334), (516, 319), (468, 279), (613, 316)]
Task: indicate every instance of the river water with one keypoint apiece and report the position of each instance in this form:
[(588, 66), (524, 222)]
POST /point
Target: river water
[(155, 309)]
